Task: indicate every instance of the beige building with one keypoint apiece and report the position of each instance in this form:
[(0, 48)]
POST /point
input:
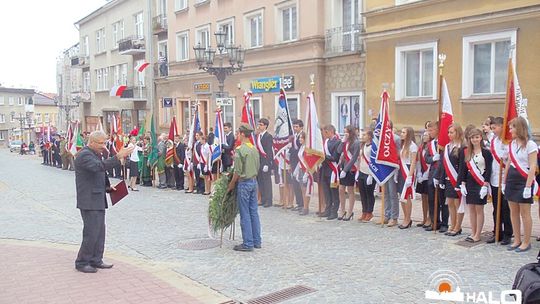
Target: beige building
[(113, 41), (15, 103), (404, 38), (291, 39), (69, 86), (46, 113)]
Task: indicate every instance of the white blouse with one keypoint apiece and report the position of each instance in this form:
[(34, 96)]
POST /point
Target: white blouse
[(480, 162), (134, 157), (413, 148), (522, 154), (364, 167)]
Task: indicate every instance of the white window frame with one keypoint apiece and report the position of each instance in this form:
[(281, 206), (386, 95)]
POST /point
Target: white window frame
[(247, 29), (2, 118), (86, 82), (233, 108), (99, 79), (178, 5), (100, 40), (114, 30), (335, 107), (20, 101), (186, 47), (11, 100), (139, 25), (199, 32), (139, 79), (46, 118), (290, 96), (38, 117), (259, 100), (400, 70), (123, 74), (229, 23), (279, 21), (116, 75), (106, 78), (468, 58), (86, 46), (2, 100)]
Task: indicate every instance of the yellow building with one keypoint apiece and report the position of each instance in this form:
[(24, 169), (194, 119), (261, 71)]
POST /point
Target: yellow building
[(403, 40), (45, 114)]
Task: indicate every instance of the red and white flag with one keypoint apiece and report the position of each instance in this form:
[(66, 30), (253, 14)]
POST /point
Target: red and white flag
[(117, 90), (314, 147), (141, 66), (447, 117), (247, 114), (515, 105)]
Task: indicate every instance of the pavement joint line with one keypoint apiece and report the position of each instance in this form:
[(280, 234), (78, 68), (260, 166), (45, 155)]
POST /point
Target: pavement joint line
[(161, 270)]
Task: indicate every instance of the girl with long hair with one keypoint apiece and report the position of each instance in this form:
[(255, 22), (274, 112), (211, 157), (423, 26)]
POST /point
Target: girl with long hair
[(366, 184), (449, 176), (422, 173), (406, 180), (519, 185), (351, 148), (303, 176)]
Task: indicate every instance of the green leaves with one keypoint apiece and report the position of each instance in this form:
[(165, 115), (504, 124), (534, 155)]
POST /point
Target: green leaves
[(223, 207)]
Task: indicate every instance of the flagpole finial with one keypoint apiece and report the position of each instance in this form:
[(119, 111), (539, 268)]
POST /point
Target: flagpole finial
[(312, 81), (442, 59)]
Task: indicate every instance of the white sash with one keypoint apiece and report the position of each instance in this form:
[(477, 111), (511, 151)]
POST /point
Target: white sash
[(334, 177), (259, 145), (448, 167), (348, 156), (303, 167), (407, 192), (521, 170), (475, 172)]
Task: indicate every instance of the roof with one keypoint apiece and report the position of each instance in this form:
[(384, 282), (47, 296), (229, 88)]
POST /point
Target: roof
[(110, 4), (16, 91), (44, 99)]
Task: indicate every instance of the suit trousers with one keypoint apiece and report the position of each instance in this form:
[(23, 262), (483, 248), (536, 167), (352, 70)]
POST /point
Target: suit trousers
[(264, 179), (169, 176), (93, 242), (442, 212), (199, 182), (331, 196), (297, 192), (179, 177), (505, 227), (366, 193), (391, 199)]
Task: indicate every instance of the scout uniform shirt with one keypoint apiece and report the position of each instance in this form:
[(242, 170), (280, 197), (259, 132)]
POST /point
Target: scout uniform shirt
[(246, 161)]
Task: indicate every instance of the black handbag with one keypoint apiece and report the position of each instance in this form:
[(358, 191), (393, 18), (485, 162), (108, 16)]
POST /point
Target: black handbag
[(528, 281)]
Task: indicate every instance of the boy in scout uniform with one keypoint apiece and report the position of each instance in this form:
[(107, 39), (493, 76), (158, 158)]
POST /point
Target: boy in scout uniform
[(246, 167)]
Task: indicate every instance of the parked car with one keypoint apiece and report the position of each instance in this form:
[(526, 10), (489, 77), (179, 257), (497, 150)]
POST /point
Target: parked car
[(15, 146)]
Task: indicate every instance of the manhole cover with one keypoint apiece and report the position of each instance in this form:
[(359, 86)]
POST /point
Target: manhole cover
[(199, 244), (483, 238), (282, 295)]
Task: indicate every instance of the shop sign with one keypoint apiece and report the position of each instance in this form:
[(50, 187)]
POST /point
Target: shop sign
[(202, 88), (288, 83), (265, 85), (224, 101)]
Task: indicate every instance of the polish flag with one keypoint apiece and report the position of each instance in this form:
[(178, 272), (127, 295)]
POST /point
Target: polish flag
[(117, 90), (314, 147), (447, 117), (141, 66)]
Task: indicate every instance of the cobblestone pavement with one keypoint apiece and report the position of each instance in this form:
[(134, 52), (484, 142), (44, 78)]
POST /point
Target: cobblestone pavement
[(346, 262)]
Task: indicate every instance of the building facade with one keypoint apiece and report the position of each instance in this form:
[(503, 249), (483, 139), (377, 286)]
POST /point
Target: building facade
[(404, 38), (69, 83), (285, 41), (16, 114), (46, 113), (113, 41)]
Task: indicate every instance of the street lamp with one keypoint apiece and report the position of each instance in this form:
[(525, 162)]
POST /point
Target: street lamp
[(22, 119), (67, 107), (205, 59)]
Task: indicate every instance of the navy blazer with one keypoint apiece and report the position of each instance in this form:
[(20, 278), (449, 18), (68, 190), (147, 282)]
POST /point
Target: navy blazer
[(267, 142), (226, 157), (91, 180)]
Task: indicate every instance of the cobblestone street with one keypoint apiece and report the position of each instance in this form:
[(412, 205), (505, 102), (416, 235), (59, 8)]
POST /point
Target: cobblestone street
[(345, 262)]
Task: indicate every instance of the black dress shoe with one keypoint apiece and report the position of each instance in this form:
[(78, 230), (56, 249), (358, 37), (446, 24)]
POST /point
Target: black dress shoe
[(241, 247), (491, 240), (505, 241), (87, 269), (443, 229), (323, 214), (332, 217), (103, 266)]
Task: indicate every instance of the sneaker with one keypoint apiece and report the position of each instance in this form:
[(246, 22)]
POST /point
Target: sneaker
[(241, 247)]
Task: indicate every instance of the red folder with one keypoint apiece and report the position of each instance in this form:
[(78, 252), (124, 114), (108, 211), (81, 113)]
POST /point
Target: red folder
[(120, 192)]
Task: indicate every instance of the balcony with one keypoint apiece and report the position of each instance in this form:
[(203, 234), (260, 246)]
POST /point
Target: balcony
[(345, 39), (80, 61), (159, 24), (131, 45), (134, 94)]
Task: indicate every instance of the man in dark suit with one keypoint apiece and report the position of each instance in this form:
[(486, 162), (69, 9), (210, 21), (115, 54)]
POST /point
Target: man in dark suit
[(297, 125), (226, 157), (329, 172), (92, 183), (264, 143), (179, 158)]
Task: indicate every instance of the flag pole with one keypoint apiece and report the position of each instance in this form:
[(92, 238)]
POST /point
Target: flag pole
[(382, 205), (442, 58)]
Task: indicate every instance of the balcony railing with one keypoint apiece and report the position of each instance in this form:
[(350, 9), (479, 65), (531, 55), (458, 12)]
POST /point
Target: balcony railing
[(159, 24), (344, 39), (134, 93), (131, 45)]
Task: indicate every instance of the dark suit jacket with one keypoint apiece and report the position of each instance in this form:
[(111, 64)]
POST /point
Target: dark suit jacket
[(293, 152), (227, 150), (181, 153), (267, 142), (464, 174), (91, 180), (334, 146)]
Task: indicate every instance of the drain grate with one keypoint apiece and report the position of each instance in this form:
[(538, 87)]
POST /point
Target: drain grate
[(199, 244), (282, 295), (483, 238)]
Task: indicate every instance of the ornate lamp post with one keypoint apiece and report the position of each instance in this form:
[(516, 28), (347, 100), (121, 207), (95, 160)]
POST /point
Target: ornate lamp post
[(205, 59), (67, 107)]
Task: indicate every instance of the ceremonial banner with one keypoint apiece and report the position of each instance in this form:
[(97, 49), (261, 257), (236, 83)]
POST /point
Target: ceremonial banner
[(219, 137), (314, 147), (447, 117), (283, 127)]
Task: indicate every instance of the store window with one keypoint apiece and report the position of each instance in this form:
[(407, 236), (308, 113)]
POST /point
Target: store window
[(348, 110)]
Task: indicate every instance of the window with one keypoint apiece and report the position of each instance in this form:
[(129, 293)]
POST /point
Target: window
[(38, 117), (180, 5), (29, 101), (139, 25), (102, 81), (46, 117), (85, 47), (350, 25), (116, 75), (86, 82), (182, 46), (105, 79), (416, 71), (228, 113), (123, 74), (11, 100), (99, 77), (2, 118), (203, 36), (117, 32), (293, 105), (257, 109), (100, 40), (139, 77), (485, 63), (2, 100), (20, 101), (254, 29), (227, 27), (3, 135), (288, 22), (348, 110)]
